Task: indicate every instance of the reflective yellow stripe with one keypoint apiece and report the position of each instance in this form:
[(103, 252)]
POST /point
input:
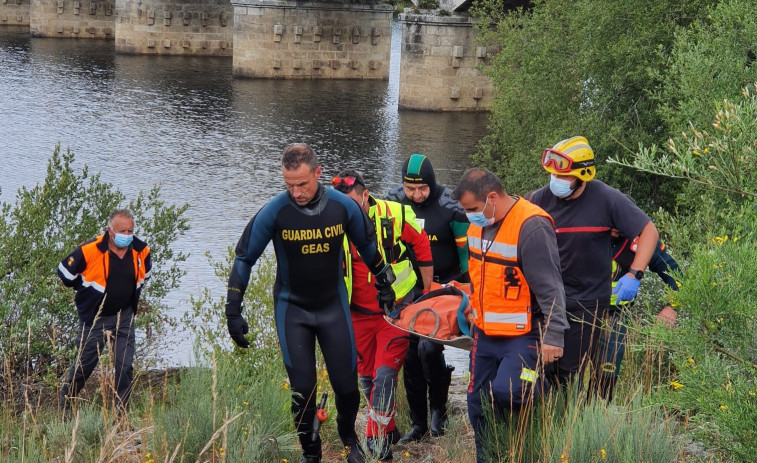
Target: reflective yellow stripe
[(529, 375)]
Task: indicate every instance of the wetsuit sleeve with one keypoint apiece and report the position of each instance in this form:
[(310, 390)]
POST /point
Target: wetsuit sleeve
[(459, 226), (540, 262), (71, 268), (415, 237), (396, 194), (663, 265), (460, 232), (255, 238), (362, 233)]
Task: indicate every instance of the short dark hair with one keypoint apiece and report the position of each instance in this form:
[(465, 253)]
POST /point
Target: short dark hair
[(297, 154), (358, 186), (480, 182)]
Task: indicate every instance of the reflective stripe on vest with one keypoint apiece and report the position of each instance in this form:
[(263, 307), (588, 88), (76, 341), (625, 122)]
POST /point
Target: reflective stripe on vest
[(404, 274), (501, 298), (95, 274)]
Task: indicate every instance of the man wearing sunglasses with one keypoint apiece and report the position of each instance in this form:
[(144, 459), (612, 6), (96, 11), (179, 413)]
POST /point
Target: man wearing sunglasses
[(381, 346), (446, 225), (585, 211), (308, 224)]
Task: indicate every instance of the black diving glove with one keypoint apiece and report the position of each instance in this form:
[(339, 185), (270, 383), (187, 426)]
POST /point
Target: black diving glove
[(237, 325), (386, 296)]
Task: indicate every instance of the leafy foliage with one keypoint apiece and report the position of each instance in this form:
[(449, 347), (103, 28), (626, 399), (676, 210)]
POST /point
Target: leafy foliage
[(47, 222), (577, 68)]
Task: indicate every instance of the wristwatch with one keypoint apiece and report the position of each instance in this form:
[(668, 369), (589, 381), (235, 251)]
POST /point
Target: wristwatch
[(638, 274)]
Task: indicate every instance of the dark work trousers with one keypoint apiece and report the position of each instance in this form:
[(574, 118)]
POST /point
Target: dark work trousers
[(581, 346), (502, 368), (92, 339), (612, 349), (298, 329), (425, 370)]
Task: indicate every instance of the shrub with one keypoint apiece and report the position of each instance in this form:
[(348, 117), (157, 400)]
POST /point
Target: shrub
[(47, 222)]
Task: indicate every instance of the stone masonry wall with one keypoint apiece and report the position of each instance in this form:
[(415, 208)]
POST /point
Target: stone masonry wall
[(72, 18), (14, 12), (438, 68), (175, 27), (311, 40)]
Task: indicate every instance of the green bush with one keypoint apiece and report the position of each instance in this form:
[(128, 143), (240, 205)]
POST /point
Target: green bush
[(581, 67), (714, 344), (37, 316)]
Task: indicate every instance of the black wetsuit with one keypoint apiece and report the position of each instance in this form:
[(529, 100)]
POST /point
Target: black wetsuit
[(426, 369), (310, 296)]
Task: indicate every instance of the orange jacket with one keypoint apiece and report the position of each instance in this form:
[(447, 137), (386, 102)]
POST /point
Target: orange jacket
[(86, 270), (501, 298)]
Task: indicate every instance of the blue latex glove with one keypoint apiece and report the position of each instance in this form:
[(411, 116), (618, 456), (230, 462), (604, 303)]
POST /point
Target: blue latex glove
[(626, 288)]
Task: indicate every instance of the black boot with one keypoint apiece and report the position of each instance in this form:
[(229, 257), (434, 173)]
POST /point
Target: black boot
[(415, 434), (354, 451), (415, 390), (309, 459), (438, 395)]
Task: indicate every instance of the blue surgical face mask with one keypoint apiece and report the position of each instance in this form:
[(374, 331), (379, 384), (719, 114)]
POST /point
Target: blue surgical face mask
[(479, 219), (122, 240), (559, 187)]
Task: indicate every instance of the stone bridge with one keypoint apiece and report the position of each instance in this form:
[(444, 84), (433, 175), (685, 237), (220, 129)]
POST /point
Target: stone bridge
[(286, 39)]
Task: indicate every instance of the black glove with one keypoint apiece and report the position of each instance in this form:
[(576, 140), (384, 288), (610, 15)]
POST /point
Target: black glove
[(237, 326), (386, 296)]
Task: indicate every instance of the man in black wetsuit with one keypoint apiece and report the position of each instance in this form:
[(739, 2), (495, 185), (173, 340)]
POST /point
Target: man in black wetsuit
[(307, 224), (442, 218)]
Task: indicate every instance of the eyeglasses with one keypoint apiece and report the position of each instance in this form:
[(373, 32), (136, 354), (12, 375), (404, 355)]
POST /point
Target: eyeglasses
[(562, 163)]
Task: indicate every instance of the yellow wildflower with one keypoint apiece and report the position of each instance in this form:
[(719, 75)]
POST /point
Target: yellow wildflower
[(604, 454), (676, 385), (696, 153), (723, 407), (690, 361), (752, 393), (285, 385), (714, 284), (284, 460), (406, 454)]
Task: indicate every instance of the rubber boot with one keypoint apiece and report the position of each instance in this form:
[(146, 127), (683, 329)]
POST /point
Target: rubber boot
[(438, 402), (355, 453), (415, 390)]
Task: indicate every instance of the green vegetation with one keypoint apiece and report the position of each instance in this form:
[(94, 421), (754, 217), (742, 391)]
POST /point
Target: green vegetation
[(664, 91), (47, 222)]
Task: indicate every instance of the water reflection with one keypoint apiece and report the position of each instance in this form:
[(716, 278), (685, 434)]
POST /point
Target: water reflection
[(210, 140)]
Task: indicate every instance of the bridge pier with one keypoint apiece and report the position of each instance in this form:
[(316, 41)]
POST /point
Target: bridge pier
[(290, 39), (439, 64), (175, 27), (14, 12), (72, 18)]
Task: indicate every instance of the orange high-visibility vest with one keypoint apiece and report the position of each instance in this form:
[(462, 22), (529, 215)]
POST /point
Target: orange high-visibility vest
[(501, 298)]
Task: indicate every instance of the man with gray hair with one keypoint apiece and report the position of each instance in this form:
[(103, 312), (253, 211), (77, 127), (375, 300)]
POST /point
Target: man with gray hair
[(107, 273)]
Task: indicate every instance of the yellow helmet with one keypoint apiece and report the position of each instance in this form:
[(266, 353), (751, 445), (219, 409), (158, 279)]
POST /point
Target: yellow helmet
[(572, 156)]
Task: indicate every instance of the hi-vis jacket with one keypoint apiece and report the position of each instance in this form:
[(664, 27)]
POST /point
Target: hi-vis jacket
[(86, 270), (501, 298), (396, 231)]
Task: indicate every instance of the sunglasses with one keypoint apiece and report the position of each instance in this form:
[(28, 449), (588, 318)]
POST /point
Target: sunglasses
[(562, 163), (346, 181)]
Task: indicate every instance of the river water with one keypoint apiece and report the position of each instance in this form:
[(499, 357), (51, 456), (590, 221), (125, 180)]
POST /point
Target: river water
[(208, 139)]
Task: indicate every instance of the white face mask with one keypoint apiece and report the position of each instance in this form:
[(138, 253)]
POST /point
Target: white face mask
[(479, 219), (559, 187)]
